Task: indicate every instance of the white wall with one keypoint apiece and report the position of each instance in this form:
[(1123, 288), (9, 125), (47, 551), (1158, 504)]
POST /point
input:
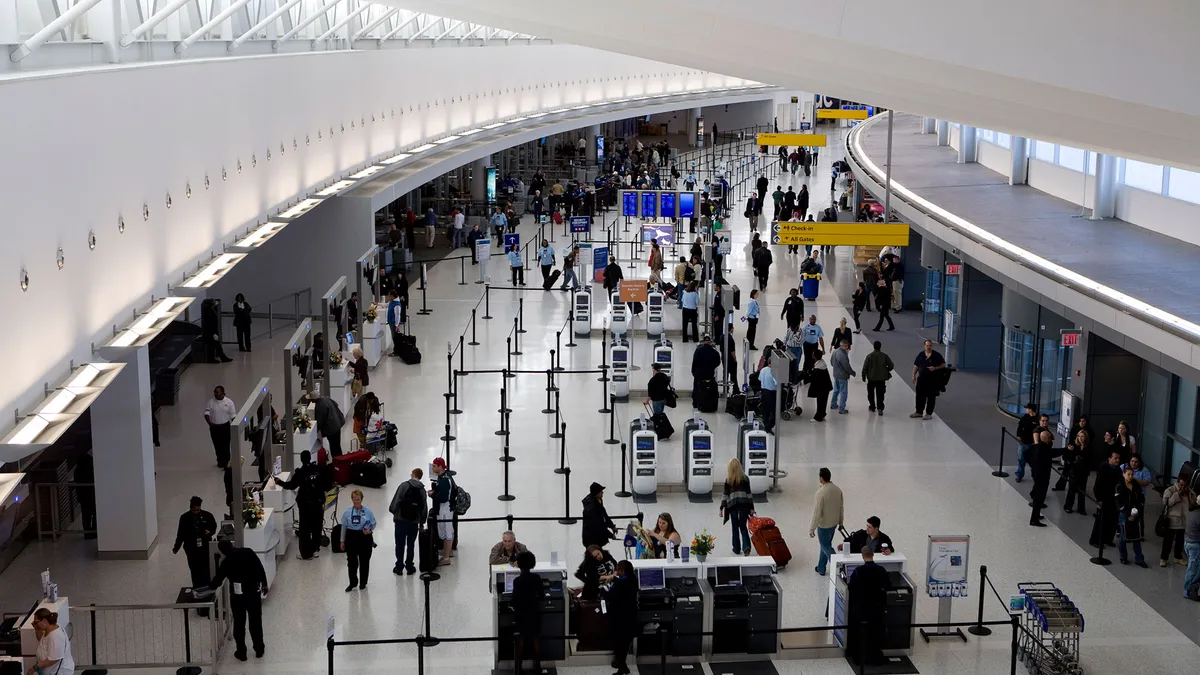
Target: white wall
[(1165, 215), (955, 137), (1061, 182), (994, 157), (95, 145), (738, 115)]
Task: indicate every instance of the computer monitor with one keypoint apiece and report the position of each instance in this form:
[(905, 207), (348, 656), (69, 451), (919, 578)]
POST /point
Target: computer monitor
[(729, 576), (650, 578), (509, 577), (645, 443), (701, 443), (758, 443)]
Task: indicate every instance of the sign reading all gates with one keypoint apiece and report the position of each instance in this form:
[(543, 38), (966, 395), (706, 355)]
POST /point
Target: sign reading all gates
[(946, 566), (840, 234), (581, 223), (953, 269), (806, 140), (632, 290)]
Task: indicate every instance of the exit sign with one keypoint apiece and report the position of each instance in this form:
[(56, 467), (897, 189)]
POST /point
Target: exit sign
[(1070, 339), (954, 269)]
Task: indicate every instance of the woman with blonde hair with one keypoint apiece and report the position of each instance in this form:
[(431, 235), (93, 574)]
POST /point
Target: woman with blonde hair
[(737, 505)]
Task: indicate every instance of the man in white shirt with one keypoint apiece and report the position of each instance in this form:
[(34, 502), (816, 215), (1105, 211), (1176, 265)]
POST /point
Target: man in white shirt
[(459, 221), (218, 413)]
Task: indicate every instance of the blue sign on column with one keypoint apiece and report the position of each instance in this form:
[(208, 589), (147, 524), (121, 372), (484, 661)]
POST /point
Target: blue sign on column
[(511, 240), (581, 223)]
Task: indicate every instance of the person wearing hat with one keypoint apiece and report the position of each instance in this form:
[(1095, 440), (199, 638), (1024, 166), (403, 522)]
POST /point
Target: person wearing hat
[(196, 529), (442, 493), (598, 528), (1025, 428)]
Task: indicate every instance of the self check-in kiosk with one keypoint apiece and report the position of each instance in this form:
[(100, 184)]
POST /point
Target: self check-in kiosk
[(698, 458), (664, 354), (582, 323), (654, 313), (619, 321), (553, 611), (900, 611), (754, 452), (619, 357), (643, 470), (671, 595), (746, 607)]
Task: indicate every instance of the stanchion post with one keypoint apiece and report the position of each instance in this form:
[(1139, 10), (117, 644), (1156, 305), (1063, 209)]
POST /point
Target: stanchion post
[(424, 311), (567, 519), (473, 342), (487, 301), (508, 357), (549, 410), (516, 350), (612, 422), (604, 355), (571, 323), (1099, 558), (506, 458), (557, 418), (562, 451), (503, 430), (623, 493), (979, 628), (461, 367), (462, 271), (1012, 662), (329, 647), (521, 315), (1000, 472), (605, 401), (447, 437)]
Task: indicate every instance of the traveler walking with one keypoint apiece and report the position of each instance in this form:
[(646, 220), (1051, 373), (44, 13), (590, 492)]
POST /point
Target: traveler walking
[(737, 506), (883, 300), (195, 531), (819, 384), (761, 185), (802, 201), (870, 279), (218, 413), (770, 391), (545, 256), (793, 309), (569, 279), (828, 515), (358, 540), (842, 372), (1177, 499), (876, 371), (410, 509), (658, 390), (1025, 430), (777, 198), (858, 303), (752, 209), (752, 312), (762, 259), (927, 380), (789, 205), (248, 587), (241, 322), (1191, 544)]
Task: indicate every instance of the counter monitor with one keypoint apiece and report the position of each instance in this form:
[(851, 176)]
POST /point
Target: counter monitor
[(644, 443), (758, 443), (651, 578), (729, 576), (509, 577), (701, 443)]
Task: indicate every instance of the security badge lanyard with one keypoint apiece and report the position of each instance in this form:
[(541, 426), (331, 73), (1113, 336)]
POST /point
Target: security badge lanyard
[(355, 517)]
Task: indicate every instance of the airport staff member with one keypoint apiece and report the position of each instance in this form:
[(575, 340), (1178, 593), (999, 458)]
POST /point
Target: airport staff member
[(196, 529), (814, 339), (310, 504), (872, 537), (358, 540), (869, 586), (218, 413), (769, 386), (247, 588)]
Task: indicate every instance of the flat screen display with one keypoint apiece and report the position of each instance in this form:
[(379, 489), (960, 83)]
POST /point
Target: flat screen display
[(701, 443), (757, 443), (645, 443), (662, 357), (666, 205), (651, 578), (729, 576), (620, 355), (687, 205), (649, 204), (629, 204)]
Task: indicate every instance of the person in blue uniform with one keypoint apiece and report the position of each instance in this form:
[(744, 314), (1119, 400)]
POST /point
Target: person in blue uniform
[(358, 529)]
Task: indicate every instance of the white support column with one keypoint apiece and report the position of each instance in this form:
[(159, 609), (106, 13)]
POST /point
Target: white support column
[(590, 135), (479, 179), (927, 125), (693, 115), (1104, 204), (1019, 173), (9, 32), (966, 144), (943, 133), (104, 25), (123, 446)]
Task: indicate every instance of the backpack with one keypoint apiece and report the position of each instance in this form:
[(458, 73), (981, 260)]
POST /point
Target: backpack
[(410, 506), (460, 501)]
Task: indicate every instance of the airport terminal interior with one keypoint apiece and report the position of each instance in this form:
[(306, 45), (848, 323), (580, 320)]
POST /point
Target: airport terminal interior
[(467, 243)]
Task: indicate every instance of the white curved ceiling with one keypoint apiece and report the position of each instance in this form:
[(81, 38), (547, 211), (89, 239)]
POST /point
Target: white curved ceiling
[(1110, 76)]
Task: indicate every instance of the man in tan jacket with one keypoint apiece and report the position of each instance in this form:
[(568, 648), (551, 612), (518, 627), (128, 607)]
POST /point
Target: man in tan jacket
[(827, 517)]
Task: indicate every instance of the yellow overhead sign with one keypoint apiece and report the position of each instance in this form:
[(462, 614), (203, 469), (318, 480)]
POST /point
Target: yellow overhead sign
[(806, 140), (796, 238), (831, 114), (865, 229)]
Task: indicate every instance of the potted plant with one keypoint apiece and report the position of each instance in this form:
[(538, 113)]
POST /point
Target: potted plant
[(371, 313), (336, 359), (702, 544), (301, 423)]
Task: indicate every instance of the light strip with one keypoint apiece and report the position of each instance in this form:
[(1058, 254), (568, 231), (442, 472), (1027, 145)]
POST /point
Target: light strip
[(398, 158), (28, 430), (264, 232), (367, 172), (214, 270), (443, 141), (423, 148), (534, 116), (84, 376), (1028, 257), (560, 110), (300, 209), (58, 402), (472, 132), (517, 119), (334, 189), (494, 125)]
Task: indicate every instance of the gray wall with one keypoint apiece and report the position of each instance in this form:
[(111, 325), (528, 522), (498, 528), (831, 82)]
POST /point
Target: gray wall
[(979, 332)]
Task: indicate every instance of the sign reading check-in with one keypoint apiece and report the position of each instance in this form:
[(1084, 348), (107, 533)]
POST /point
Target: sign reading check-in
[(840, 234)]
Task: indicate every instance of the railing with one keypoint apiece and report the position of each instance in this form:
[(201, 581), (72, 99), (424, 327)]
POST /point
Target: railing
[(289, 310), (177, 636), (48, 515)]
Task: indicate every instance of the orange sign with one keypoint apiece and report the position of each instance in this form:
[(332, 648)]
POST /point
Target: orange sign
[(632, 290)]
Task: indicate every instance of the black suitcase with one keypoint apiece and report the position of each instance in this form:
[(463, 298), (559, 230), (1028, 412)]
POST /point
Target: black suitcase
[(335, 539), (368, 474), (408, 353), (426, 555), (706, 396), (552, 279), (736, 405), (662, 426)]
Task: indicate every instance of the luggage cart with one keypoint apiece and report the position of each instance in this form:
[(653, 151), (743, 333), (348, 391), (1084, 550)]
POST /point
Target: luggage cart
[(1049, 643)]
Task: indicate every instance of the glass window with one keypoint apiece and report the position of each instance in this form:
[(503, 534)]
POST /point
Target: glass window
[(1143, 176), (1185, 410), (954, 124), (987, 135), (1185, 185), (1016, 371), (1044, 151), (1156, 401), (1072, 158), (932, 315), (1003, 140), (1092, 163)]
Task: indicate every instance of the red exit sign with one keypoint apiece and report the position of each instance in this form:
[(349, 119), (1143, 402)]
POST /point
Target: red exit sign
[(954, 269), (1070, 339)]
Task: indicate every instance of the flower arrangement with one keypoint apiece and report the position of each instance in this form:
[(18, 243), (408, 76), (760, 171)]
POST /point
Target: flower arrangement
[(371, 313), (252, 514), (301, 423), (702, 543), (336, 359)]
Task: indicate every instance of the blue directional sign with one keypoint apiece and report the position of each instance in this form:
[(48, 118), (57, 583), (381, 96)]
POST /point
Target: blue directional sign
[(511, 240)]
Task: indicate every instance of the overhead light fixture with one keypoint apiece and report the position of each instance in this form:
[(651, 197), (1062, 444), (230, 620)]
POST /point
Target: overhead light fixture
[(517, 119), (95, 374), (398, 158), (213, 271), (61, 408), (534, 116), (560, 110), (443, 141), (69, 401), (580, 107), (423, 148), (259, 236), (9, 493), (145, 327), (494, 125), (300, 209), (472, 132), (367, 172), (335, 188)]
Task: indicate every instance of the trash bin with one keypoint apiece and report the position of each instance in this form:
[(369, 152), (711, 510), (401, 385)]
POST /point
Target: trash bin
[(810, 286)]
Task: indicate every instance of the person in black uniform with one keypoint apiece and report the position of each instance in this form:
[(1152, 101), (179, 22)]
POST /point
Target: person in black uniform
[(620, 603), (196, 529), (310, 486), (241, 322), (869, 586), (527, 607), (1040, 458), (248, 587)]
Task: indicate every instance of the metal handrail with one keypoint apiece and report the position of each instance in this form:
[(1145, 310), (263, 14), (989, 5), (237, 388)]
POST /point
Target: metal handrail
[(113, 636)]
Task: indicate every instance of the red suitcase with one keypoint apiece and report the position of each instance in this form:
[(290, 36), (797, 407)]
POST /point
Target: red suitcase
[(768, 540), (341, 466)]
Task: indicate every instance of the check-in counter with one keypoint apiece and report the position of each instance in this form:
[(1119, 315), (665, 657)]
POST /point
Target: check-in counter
[(746, 607), (901, 602), (671, 595), (554, 612)]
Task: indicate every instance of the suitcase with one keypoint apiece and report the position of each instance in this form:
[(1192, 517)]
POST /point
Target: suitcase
[(662, 426), (426, 556), (335, 539), (368, 474), (551, 280), (406, 349), (736, 405), (343, 466), (767, 540), (706, 396)]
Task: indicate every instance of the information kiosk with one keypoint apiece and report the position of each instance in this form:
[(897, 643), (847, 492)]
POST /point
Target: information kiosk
[(643, 470), (619, 323), (554, 612), (672, 595), (698, 459), (664, 354), (654, 314), (746, 607), (754, 452), (901, 602), (618, 357), (582, 323)]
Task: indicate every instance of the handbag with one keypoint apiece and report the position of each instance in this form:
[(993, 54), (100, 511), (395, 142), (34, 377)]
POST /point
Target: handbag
[(672, 399), (356, 387), (1162, 525)]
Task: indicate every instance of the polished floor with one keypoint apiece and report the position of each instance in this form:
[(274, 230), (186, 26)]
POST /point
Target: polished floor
[(918, 476)]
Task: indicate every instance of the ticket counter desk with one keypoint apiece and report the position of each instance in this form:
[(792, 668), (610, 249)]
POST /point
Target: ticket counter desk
[(901, 609), (746, 608), (554, 613), (671, 594)]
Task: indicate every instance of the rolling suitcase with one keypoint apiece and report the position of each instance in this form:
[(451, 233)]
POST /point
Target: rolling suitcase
[(736, 405), (706, 396), (551, 280), (426, 556), (343, 466), (662, 426), (767, 540), (368, 474)]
